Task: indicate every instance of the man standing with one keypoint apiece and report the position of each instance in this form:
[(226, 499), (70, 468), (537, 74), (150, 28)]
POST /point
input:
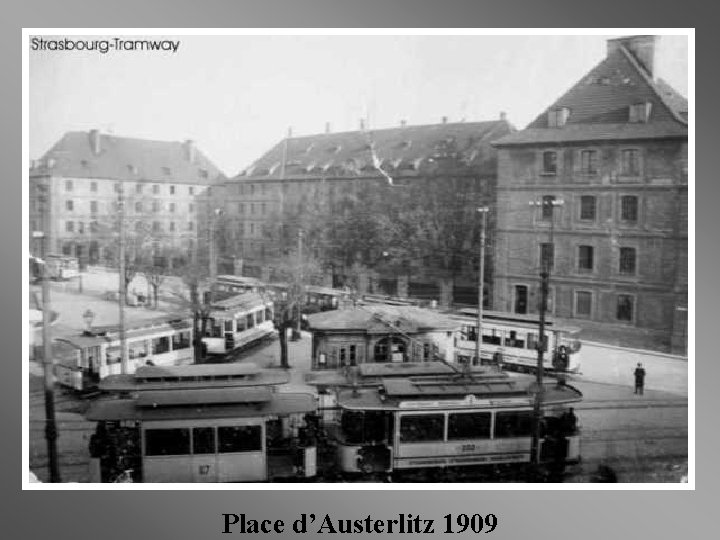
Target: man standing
[(639, 379)]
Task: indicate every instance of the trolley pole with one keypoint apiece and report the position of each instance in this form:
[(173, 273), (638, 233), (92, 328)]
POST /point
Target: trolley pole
[(51, 434), (122, 289), (546, 266), (481, 287), (300, 285)]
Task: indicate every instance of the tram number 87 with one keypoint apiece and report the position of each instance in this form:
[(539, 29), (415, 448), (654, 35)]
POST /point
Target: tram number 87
[(475, 523)]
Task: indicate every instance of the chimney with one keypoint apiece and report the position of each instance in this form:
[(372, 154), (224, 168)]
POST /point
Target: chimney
[(403, 123), (362, 125), (189, 149), (444, 119), (503, 116), (641, 47), (289, 134), (95, 141), (327, 127)]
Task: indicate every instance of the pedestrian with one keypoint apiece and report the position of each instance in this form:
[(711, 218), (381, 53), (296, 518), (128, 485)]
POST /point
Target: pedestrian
[(639, 379)]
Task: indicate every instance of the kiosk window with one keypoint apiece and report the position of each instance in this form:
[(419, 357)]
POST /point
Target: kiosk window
[(422, 427), (204, 440), (167, 442), (239, 439), (469, 426), (513, 424)]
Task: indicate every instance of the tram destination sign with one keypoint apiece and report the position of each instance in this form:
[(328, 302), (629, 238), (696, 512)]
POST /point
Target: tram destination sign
[(469, 401)]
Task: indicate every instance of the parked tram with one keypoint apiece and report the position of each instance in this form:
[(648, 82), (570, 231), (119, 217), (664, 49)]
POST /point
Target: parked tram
[(82, 361), (250, 434), (512, 341), (451, 427), (239, 284), (238, 322), (62, 267)]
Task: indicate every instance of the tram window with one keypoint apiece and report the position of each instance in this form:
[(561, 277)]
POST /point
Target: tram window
[(422, 427), (112, 355), (351, 424), (470, 333), (492, 337), (215, 328), (250, 320), (240, 324), (353, 355), (137, 349), (426, 352), (239, 439), (229, 326), (343, 356), (167, 442), (268, 314), (161, 345), (204, 440), (513, 340), (469, 426), (513, 424), (181, 340), (259, 316)]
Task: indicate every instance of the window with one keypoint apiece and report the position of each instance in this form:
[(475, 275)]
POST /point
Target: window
[(353, 355), (625, 304), (155, 189), (587, 207), (469, 426), (583, 304), (229, 325), (639, 112), (138, 188), (588, 161), (172, 226), (630, 162), (239, 439), (181, 340), (547, 206), (513, 424), (259, 316), (81, 227), (171, 207), (138, 207), (343, 356), (549, 163), (172, 190), (627, 261), (203, 440), (547, 255), (191, 190), (262, 208), (116, 188), (156, 226), (629, 208), (514, 340), (422, 427), (252, 229), (93, 207), (160, 345), (585, 258), (558, 117), (167, 442), (69, 226), (137, 349), (203, 173), (139, 226), (191, 207), (93, 187), (250, 320), (268, 314), (252, 189), (94, 227), (252, 208), (191, 225), (155, 206), (69, 206), (68, 185)]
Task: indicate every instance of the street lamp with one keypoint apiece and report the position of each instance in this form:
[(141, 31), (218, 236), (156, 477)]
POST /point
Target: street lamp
[(88, 317)]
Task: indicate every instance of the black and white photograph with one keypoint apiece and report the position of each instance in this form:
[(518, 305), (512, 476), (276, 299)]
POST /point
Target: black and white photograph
[(352, 257)]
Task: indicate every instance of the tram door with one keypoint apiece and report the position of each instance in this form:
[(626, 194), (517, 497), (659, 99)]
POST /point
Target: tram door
[(204, 460)]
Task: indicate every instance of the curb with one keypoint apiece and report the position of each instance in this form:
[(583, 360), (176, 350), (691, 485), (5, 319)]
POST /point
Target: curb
[(645, 352)]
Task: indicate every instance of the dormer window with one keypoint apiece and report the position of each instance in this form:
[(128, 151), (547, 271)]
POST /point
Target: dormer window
[(639, 112), (558, 117), (166, 171)]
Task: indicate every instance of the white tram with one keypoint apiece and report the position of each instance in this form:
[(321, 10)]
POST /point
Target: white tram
[(512, 340), (404, 425), (238, 284), (203, 435), (237, 322), (82, 361)]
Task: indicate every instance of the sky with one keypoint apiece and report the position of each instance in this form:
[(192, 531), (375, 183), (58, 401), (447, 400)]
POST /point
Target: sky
[(236, 96)]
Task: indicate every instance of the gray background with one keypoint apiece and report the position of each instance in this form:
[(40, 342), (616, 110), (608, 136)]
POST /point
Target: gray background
[(196, 514)]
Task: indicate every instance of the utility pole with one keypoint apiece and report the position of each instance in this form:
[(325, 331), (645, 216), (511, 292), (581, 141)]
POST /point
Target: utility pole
[(300, 285), (217, 212), (481, 287), (48, 364), (547, 206), (124, 367)]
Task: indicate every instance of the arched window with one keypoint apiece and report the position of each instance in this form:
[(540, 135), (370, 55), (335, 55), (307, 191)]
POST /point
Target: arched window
[(391, 349)]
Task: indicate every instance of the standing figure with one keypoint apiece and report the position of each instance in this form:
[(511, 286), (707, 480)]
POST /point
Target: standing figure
[(639, 379)]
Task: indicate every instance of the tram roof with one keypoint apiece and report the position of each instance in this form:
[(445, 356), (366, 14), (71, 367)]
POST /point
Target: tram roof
[(518, 318), (383, 318), (405, 369), (203, 396), (106, 333), (247, 300), (245, 280), (128, 409), (196, 370)]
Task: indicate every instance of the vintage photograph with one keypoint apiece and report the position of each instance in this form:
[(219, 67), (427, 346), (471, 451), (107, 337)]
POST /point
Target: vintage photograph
[(358, 257)]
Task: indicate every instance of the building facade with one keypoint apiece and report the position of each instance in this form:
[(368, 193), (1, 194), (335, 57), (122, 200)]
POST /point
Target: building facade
[(77, 187), (389, 211), (596, 186), (381, 334)]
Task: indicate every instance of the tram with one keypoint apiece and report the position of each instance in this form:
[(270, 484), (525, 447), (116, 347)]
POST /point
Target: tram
[(82, 361), (408, 426), (243, 434), (238, 322), (62, 267), (512, 340), (239, 284)]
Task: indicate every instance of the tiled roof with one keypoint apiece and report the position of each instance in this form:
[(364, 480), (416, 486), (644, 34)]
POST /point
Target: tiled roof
[(128, 159), (599, 105), (408, 150), (371, 316)]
